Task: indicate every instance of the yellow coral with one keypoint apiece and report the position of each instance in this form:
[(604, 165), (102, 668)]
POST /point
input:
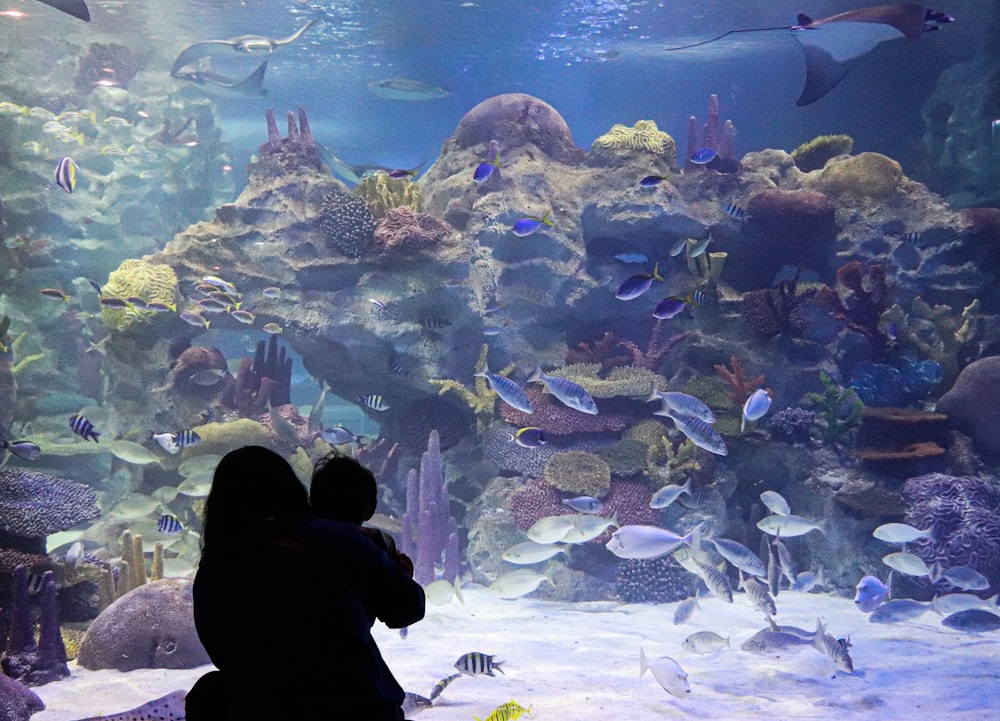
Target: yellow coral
[(481, 400), (814, 154), (221, 438), (644, 135), (381, 193), (19, 367), (579, 472), (152, 283), (629, 381), (865, 175)]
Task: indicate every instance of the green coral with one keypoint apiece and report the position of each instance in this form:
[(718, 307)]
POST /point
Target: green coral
[(482, 399), (626, 457), (652, 434), (839, 408), (382, 193), (152, 283), (19, 367), (869, 175), (814, 154), (937, 332), (579, 472), (644, 135), (630, 381)]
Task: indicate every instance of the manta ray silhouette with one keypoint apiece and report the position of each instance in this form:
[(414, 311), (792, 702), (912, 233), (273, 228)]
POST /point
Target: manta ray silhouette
[(76, 8), (835, 44)]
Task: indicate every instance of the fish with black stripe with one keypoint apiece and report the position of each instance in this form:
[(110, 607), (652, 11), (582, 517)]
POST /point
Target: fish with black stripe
[(476, 663), (83, 428)]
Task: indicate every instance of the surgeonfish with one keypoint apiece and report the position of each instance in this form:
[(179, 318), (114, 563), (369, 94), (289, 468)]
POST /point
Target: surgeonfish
[(509, 392), (651, 181), (634, 286), (740, 556), (899, 533), (699, 432), (476, 663), (83, 428), (756, 406), (667, 672), (639, 541), (775, 503), (587, 527), (529, 437), (65, 173), (683, 403), (571, 394), (529, 552), (665, 496), (703, 156), (526, 226), (869, 594), (339, 436)]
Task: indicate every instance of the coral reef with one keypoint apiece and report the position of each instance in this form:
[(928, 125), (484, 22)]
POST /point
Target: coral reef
[(715, 136), (658, 347), (346, 223), (657, 580), (861, 297), (17, 701), (404, 229), (283, 156), (34, 505), (108, 65), (513, 120), (627, 457), (500, 449), (838, 408), (938, 332), (792, 425), (740, 386), (813, 155), (383, 193), (643, 136), (34, 664), (148, 627), (184, 376), (879, 384), (559, 420), (264, 380), (889, 436), (579, 473), (791, 220), (866, 175), (964, 514), (972, 402), (604, 351), (139, 278)]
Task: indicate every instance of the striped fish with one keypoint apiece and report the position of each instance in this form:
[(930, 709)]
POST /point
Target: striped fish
[(773, 570), (186, 438), (169, 524), (717, 582), (83, 428), (507, 712), (757, 592), (510, 392), (740, 556), (571, 394), (476, 663), (683, 403), (788, 567), (836, 651), (698, 431), (66, 173), (374, 401), (441, 685), (736, 212), (913, 239)]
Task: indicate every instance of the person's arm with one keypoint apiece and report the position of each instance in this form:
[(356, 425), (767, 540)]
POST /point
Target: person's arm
[(398, 599)]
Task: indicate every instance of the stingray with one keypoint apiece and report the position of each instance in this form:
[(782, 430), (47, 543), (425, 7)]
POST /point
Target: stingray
[(835, 44), (241, 44), (76, 8), (217, 84), (170, 706)]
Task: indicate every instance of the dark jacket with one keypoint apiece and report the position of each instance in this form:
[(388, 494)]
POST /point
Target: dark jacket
[(289, 624)]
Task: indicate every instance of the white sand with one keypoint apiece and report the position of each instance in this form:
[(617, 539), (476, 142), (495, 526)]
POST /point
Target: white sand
[(581, 661)]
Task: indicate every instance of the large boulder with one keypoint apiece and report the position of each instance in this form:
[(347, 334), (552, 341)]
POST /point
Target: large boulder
[(972, 403), (149, 627)]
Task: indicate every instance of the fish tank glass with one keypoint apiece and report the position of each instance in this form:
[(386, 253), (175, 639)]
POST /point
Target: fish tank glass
[(669, 330)]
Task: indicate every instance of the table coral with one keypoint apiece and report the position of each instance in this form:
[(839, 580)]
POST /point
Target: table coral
[(404, 228), (35, 505), (134, 277), (644, 135)]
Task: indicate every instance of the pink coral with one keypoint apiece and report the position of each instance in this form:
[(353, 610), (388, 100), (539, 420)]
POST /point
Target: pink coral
[(559, 420), (404, 228)]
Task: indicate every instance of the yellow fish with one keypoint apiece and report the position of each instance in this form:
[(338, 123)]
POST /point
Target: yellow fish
[(508, 712)]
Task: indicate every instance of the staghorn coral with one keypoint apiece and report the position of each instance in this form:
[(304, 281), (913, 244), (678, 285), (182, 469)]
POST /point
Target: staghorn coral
[(579, 472), (600, 350), (736, 377), (383, 193), (657, 580), (644, 136), (134, 277), (657, 348), (404, 228), (814, 154), (346, 223), (937, 332)]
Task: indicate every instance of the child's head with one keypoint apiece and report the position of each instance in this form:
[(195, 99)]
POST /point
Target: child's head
[(343, 490)]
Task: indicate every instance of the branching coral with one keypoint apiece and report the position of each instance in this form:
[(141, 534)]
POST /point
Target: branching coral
[(603, 350), (658, 347), (383, 193), (405, 229), (937, 332), (839, 408), (644, 135), (482, 399), (134, 277), (736, 377)]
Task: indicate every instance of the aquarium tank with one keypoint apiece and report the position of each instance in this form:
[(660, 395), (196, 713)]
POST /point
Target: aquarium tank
[(669, 329)]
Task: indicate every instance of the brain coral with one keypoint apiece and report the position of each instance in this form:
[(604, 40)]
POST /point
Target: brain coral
[(382, 193), (644, 135), (579, 472), (657, 580), (134, 277), (404, 228), (346, 223), (867, 175)]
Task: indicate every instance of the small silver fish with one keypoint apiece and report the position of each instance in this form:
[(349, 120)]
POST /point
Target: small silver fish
[(898, 609), (685, 609), (785, 558), (968, 579), (704, 642), (584, 504), (774, 643), (509, 392), (569, 393), (775, 503), (973, 620), (668, 494), (790, 525), (683, 403), (899, 533), (639, 541), (740, 556), (667, 672), (717, 582), (697, 431), (757, 592), (908, 563)]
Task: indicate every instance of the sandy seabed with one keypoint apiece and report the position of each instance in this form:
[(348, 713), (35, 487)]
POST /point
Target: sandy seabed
[(580, 661)]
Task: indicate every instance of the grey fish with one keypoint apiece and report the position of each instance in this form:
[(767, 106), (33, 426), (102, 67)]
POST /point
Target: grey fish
[(899, 533), (406, 89), (775, 503), (774, 643), (773, 570), (510, 392), (898, 609), (318, 409), (698, 431), (668, 494), (208, 376), (802, 633), (240, 43), (717, 582), (740, 556), (908, 563), (966, 578), (757, 592), (808, 580), (683, 403), (786, 560), (972, 620), (954, 602), (704, 642), (790, 526), (414, 703), (836, 651), (170, 706), (571, 394), (685, 609)]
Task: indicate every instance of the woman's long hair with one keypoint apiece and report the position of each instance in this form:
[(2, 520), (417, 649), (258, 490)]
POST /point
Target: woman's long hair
[(250, 486)]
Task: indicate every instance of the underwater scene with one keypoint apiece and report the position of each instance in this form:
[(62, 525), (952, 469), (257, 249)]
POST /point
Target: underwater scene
[(670, 330)]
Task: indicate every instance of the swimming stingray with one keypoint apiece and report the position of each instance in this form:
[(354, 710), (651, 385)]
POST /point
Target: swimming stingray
[(835, 44), (76, 8), (241, 44), (217, 84)]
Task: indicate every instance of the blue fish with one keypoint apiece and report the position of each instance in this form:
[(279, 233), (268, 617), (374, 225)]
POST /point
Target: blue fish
[(755, 407), (510, 392), (632, 257), (169, 524), (26, 450), (528, 437), (569, 393), (698, 431), (636, 285), (670, 307), (527, 226), (703, 156), (83, 428), (651, 181), (870, 593), (66, 173), (484, 170)]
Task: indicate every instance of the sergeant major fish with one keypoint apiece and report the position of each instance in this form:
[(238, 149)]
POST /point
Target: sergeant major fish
[(476, 663), (83, 428)]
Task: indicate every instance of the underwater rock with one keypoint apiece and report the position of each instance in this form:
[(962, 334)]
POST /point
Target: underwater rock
[(972, 402), (139, 278), (149, 627), (17, 701), (8, 382), (868, 175), (514, 119)]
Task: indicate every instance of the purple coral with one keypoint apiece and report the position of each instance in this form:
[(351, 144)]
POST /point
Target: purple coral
[(34, 505), (715, 136), (280, 156), (24, 660), (964, 514)]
